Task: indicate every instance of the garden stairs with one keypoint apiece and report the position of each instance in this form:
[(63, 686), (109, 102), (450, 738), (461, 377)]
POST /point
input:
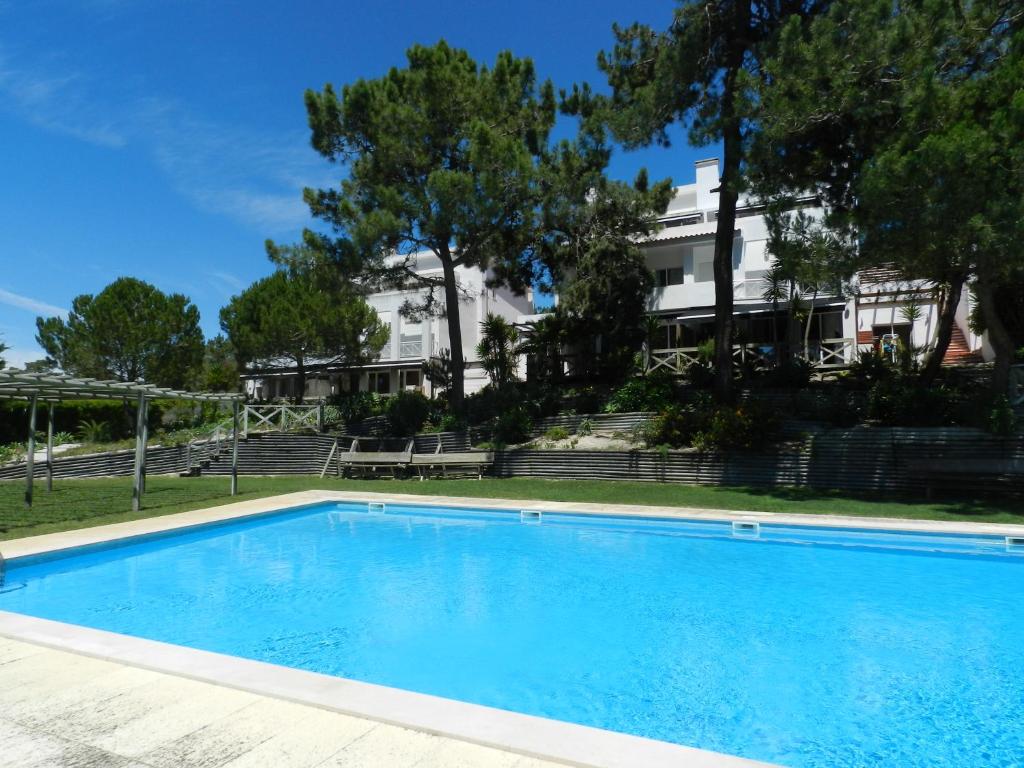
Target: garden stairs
[(958, 352)]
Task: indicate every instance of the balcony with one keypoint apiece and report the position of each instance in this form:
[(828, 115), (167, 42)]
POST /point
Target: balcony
[(410, 348), (822, 354)]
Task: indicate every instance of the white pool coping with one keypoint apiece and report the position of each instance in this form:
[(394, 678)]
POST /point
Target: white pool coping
[(514, 732)]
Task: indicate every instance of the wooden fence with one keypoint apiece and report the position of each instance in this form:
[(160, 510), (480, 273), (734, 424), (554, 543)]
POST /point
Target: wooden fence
[(863, 459)]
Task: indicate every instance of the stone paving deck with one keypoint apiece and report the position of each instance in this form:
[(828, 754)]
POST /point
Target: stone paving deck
[(64, 709)]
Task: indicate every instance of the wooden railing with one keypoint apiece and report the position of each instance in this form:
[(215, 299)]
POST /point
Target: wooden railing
[(822, 354), (281, 418)]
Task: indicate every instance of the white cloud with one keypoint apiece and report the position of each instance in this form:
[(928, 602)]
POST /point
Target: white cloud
[(255, 177), (55, 102), (31, 305), (16, 357)]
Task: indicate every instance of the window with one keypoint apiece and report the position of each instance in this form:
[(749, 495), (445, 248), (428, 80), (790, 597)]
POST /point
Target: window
[(703, 263), (409, 379), (755, 254), (386, 351), (380, 382), (411, 342), (664, 277)]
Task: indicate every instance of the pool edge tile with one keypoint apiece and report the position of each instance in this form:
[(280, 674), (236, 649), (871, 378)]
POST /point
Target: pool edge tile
[(525, 735)]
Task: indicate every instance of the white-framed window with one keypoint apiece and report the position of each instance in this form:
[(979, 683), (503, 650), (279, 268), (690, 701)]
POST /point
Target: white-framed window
[(379, 382), (704, 263), (410, 379), (669, 276), (410, 342), (385, 320), (755, 254)]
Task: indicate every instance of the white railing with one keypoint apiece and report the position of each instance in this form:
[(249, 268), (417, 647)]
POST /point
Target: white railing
[(411, 348), (281, 418), (676, 360), (831, 353), (822, 354)]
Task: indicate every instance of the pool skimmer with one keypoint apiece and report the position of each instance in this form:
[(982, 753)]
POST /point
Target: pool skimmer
[(376, 507), (1015, 545), (530, 515), (746, 529)]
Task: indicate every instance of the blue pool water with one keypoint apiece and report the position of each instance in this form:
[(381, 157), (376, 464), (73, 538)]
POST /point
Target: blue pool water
[(804, 648)]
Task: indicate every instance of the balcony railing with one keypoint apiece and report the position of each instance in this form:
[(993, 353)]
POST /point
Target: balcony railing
[(821, 354), (411, 348)]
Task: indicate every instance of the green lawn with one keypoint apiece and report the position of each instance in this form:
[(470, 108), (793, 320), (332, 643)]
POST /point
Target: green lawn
[(81, 503)]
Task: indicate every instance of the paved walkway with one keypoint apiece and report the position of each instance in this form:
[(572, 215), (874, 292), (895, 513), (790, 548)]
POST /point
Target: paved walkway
[(64, 709)]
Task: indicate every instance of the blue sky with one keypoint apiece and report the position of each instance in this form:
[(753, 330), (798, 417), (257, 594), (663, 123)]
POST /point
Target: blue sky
[(166, 139)]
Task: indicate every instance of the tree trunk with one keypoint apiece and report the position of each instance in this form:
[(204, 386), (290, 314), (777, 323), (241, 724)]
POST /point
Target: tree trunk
[(728, 193), (300, 369), (724, 237), (998, 336), (944, 330), (451, 302)]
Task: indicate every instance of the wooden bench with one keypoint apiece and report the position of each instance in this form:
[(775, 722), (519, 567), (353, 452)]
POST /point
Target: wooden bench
[(947, 473), (367, 463), (472, 461)]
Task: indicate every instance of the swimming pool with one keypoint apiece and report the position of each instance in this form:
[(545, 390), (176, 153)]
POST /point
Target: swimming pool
[(803, 646)]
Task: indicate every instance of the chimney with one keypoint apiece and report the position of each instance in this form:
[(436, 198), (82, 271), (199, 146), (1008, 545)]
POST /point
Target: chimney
[(707, 180)]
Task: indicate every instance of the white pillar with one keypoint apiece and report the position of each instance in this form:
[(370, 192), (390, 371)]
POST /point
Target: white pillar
[(49, 450), (140, 453), (234, 448), (30, 460)]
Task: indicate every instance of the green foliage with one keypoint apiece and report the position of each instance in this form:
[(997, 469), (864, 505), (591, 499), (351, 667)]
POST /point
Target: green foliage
[(906, 120), (653, 392), (556, 433), (302, 315), (220, 367), (594, 261), (701, 372), (451, 422), (333, 418), (440, 155), (903, 401), (498, 351), (703, 425), (129, 331), (513, 425), (586, 427), (745, 427), (438, 371), (93, 432), (353, 407), (406, 412), (1002, 420)]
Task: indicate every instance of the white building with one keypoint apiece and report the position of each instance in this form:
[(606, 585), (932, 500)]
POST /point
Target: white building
[(400, 364), (681, 257)]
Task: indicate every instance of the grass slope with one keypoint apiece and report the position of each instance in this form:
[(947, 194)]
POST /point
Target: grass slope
[(82, 503)]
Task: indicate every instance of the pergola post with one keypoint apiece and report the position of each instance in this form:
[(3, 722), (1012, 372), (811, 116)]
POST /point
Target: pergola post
[(30, 459), (140, 453), (234, 448), (49, 449)]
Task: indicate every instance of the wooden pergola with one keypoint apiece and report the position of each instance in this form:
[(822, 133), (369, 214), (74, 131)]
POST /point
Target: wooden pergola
[(52, 388)]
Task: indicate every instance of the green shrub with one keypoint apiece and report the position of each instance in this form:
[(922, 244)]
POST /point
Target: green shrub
[(674, 427), (711, 428), (513, 426), (653, 392), (451, 423), (871, 367), (333, 418), (586, 427), (556, 433), (406, 412), (1002, 420), (94, 432), (743, 427), (905, 403)]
